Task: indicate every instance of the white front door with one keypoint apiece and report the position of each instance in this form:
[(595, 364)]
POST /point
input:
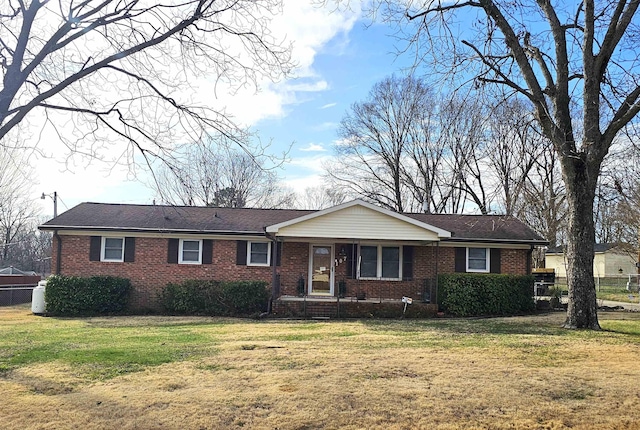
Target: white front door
[(321, 270)]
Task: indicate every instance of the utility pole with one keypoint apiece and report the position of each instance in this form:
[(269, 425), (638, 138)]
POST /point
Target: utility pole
[(55, 201)]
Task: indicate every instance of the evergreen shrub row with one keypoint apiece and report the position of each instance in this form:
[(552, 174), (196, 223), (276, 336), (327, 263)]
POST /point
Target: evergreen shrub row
[(470, 294), (215, 298), (95, 295)]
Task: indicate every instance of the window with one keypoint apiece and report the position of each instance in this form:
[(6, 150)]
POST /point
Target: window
[(380, 262), (190, 252), (391, 262), (112, 249), (477, 260), (258, 253), (368, 261)]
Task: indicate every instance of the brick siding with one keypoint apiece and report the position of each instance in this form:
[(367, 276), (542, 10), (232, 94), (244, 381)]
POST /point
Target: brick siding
[(150, 272)]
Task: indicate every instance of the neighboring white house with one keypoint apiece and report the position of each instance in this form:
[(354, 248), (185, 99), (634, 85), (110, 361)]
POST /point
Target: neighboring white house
[(610, 260)]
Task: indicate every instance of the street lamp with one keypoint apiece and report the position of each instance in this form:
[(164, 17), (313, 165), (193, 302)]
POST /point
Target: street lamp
[(54, 196)]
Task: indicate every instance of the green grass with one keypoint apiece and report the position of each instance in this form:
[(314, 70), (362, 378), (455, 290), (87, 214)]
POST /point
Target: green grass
[(105, 348), (182, 372), (100, 352), (617, 294)]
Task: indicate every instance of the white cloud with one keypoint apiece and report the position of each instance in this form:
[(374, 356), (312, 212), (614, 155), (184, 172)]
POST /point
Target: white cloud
[(328, 105), (310, 28), (313, 147), (341, 142)]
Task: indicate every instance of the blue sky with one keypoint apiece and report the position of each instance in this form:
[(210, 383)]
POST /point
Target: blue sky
[(350, 64), (341, 57)]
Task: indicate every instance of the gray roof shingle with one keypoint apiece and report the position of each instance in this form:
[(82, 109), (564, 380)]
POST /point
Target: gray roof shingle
[(170, 218), (192, 219)]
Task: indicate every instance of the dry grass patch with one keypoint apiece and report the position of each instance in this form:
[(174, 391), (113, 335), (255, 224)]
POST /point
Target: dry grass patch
[(511, 373)]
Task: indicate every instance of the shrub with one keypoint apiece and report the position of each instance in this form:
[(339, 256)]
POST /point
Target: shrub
[(96, 295), (196, 297), (467, 294)]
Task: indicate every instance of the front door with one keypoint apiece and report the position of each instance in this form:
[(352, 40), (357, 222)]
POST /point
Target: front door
[(321, 270)]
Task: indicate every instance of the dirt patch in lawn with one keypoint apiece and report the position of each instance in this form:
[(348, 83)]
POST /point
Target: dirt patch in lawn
[(515, 373)]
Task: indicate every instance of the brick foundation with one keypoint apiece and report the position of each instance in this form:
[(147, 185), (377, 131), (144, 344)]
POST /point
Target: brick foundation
[(351, 308)]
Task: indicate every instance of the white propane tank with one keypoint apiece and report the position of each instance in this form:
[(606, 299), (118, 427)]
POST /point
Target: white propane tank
[(38, 306)]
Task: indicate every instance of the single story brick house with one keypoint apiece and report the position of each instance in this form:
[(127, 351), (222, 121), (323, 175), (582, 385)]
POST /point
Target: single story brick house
[(355, 251)]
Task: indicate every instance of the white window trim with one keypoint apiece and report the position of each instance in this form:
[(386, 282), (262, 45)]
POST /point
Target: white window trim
[(488, 266), (181, 247), (102, 250), (379, 262), (249, 262)]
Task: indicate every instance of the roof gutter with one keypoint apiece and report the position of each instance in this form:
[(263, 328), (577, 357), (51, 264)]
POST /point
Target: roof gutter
[(56, 228), (505, 241)]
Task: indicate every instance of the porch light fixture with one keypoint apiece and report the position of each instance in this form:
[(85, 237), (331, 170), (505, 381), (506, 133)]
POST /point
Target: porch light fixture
[(343, 252)]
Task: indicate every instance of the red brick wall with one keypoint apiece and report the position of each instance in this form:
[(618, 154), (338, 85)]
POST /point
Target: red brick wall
[(150, 272), (514, 261), (295, 263)]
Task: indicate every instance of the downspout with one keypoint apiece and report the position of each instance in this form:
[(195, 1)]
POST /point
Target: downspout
[(274, 271), (529, 257), (437, 259), (58, 251)]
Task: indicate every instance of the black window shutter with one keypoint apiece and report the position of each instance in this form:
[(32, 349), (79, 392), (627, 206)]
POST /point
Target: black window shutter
[(94, 248), (207, 251), (495, 260), (407, 263), (241, 252), (172, 251), (461, 260), (351, 261), (129, 249)]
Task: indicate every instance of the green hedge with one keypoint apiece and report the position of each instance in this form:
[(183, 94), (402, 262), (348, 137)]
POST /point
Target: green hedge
[(470, 294), (96, 295), (197, 297)]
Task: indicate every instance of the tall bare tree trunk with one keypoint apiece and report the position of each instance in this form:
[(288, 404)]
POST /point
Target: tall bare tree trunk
[(582, 311)]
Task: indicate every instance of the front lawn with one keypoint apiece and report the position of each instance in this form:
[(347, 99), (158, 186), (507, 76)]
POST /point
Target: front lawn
[(209, 373)]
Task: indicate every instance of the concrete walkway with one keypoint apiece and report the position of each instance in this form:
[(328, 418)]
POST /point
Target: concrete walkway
[(627, 306)]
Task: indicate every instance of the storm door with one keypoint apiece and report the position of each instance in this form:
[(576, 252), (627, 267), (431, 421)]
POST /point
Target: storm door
[(321, 270)]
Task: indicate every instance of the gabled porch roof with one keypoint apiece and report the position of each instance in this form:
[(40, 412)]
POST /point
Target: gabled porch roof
[(358, 220)]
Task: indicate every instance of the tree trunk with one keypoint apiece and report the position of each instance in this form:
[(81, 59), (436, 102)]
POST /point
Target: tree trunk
[(582, 311)]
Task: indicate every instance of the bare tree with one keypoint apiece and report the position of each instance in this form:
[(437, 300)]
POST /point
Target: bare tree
[(424, 167), (617, 206), (376, 136), (514, 147), (407, 148), (579, 57), (463, 124), (216, 175), (319, 197), (17, 211), (30, 249), (100, 72), (543, 204)]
